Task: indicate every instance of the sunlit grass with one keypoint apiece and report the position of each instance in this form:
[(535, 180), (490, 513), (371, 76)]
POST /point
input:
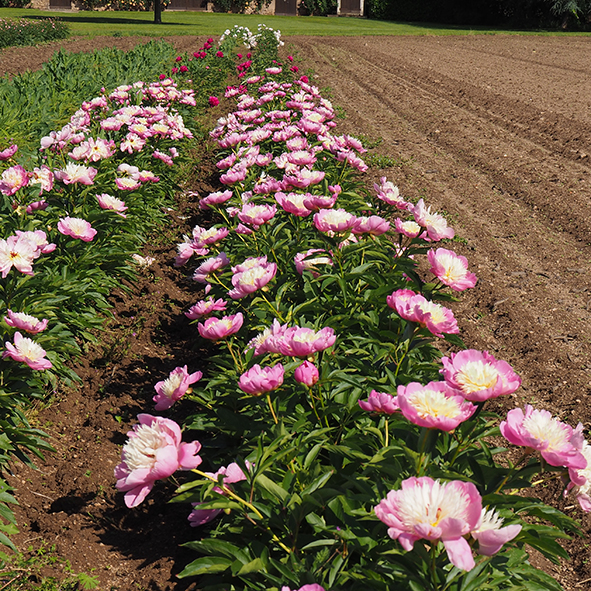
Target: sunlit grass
[(201, 23)]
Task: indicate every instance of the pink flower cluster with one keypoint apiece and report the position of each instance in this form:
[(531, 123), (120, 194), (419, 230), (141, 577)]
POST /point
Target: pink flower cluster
[(469, 376), (426, 509), (293, 341)]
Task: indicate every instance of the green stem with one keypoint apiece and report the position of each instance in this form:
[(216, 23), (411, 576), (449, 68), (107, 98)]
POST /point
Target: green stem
[(237, 361), (250, 506), (269, 401), (433, 566), (272, 307), (511, 472)]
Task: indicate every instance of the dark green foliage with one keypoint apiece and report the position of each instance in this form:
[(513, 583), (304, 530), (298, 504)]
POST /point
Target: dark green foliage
[(318, 7), (512, 13), (239, 6)]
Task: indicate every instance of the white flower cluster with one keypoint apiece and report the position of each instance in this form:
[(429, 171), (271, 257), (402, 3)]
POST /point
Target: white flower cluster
[(248, 38)]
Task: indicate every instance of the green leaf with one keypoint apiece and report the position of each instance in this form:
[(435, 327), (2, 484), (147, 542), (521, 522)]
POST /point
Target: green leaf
[(206, 565), (254, 566), (271, 487)]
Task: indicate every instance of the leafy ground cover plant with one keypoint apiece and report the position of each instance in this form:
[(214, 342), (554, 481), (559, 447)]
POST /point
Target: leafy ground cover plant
[(30, 32), (326, 411)]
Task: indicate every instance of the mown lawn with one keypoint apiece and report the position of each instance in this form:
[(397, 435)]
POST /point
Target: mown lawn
[(199, 23)]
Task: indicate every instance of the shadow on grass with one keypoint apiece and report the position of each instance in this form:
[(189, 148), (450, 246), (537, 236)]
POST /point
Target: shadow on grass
[(79, 18)]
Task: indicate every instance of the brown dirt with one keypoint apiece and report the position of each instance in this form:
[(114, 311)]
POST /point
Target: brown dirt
[(491, 130)]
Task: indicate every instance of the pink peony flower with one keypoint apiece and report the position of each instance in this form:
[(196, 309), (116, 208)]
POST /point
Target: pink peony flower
[(334, 220), (426, 509), (311, 587), (316, 202), (27, 351), (306, 373), (215, 199), (107, 201), (380, 402), (13, 179), (210, 266), (251, 280), (127, 183), (18, 252), (374, 225), (435, 224), (293, 203), (258, 380), (489, 533), (36, 205), (435, 406), (154, 451), (76, 228), (581, 480), (389, 193), (556, 441), (203, 238), (174, 387), (38, 238), (304, 178), (76, 173), (231, 474), (301, 157), (268, 341), (256, 215), (213, 101), (26, 322), (205, 308), (215, 329), (478, 376), (415, 308), (304, 342), (451, 269), (42, 176), (410, 229)]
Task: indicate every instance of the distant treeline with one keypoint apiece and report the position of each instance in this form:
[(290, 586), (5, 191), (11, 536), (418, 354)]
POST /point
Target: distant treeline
[(565, 14)]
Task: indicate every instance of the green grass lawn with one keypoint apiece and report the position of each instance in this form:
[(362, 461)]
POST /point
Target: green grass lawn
[(201, 23)]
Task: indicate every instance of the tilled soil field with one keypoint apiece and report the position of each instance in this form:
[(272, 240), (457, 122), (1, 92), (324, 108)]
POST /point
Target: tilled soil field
[(492, 131)]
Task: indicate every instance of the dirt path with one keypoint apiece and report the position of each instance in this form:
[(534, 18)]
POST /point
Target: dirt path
[(491, 130)]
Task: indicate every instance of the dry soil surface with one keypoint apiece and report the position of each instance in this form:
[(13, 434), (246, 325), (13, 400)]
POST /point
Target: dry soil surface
[(493, 131)]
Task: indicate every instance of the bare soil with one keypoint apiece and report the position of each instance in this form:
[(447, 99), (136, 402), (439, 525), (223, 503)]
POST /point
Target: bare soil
[(494, 132)]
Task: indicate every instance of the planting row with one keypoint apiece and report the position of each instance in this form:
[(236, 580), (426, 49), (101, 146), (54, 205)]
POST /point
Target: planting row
[(332, 445)]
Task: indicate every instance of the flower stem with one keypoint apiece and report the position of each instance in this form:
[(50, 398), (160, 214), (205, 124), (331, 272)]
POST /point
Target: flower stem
[(271, 407), (250, 506)]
